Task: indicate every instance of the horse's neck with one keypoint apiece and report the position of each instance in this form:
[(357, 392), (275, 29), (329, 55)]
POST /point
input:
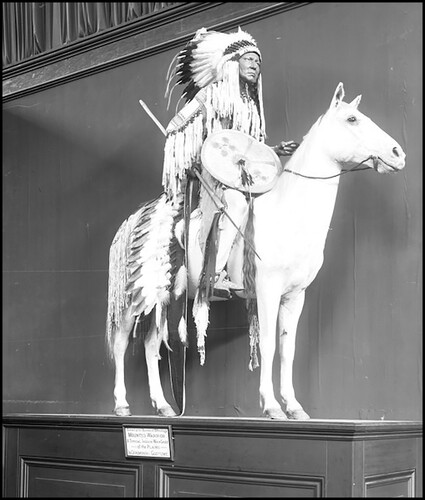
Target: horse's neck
[(309, 203)]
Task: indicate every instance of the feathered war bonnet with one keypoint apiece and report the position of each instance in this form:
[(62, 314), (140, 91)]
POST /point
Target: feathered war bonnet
[(208, 67)]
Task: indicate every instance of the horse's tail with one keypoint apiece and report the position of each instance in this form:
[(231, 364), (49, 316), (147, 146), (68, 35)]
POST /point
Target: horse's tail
[(249, 274), (117, 282)]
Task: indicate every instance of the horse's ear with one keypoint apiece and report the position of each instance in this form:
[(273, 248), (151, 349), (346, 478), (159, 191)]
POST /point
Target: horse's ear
[(355, 102), (338, 95)]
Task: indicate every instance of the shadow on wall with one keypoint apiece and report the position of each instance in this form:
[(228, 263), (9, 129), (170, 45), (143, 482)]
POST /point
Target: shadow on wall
[(64, 201)]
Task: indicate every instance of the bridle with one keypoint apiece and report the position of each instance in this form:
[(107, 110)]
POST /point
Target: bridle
[(375, 159)]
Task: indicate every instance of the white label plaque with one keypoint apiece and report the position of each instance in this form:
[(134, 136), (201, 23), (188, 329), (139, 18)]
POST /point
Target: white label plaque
[(148, 442)]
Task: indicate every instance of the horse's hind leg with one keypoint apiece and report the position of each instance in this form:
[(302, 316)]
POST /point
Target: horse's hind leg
[(289, 313), (152, 347), (120, 344)]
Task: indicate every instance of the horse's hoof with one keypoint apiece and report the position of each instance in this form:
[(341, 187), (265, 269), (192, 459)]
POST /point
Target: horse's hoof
[(298, 414), (166, 411), (275, 414), (122, 411)]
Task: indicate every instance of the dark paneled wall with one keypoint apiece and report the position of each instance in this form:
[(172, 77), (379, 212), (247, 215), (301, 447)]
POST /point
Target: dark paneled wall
[(78, 158)]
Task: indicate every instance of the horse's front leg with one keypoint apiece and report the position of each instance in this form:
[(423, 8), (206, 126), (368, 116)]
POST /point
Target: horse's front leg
[(120, 344), (289, 314), (152, 347), (268, 299)]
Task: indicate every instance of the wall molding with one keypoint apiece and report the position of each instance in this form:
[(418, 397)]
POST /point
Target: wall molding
[(338, 430), (104, 37), (144, 37)]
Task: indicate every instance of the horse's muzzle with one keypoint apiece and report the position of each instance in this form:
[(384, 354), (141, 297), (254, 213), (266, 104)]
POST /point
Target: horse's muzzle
[(394, 163)]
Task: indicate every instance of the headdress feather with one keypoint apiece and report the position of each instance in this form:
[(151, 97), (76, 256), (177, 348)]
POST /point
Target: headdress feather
[(201, 61)]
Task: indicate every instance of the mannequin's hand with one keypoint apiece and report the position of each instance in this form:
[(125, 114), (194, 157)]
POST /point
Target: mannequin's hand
[(285, 148), (191, 174)]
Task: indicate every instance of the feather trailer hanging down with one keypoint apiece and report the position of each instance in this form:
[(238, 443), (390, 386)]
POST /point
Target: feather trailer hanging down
[(141, 266), (151, 263), (205, 288)]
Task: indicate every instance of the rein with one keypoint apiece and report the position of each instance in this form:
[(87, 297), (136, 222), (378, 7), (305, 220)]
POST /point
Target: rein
[(354, 169)]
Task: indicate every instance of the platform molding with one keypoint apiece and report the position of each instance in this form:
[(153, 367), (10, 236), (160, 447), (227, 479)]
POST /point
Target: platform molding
[(91, 455)]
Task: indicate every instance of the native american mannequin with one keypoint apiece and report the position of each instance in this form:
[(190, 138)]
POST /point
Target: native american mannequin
[(221, 74)]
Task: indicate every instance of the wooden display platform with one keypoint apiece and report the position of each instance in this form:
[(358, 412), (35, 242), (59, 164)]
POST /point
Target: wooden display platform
[(85, 455)]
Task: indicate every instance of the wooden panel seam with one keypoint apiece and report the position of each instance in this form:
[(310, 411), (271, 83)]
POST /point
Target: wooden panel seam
[(63, 463), (315, 483), (377, 480)]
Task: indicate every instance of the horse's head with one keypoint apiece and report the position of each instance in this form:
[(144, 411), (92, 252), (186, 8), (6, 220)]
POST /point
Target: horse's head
[(353, 138)]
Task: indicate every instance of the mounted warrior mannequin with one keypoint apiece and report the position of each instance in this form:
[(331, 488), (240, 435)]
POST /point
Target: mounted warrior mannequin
[(222, 77), (166, 251)]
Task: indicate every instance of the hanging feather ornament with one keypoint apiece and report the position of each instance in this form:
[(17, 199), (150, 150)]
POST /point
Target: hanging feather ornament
[(201, 318)]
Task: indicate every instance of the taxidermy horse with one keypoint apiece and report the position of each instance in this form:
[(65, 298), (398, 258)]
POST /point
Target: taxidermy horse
[(290, 222)]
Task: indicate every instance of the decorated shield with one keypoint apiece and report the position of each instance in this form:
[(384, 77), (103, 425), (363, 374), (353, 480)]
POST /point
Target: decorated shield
[(240, 161)]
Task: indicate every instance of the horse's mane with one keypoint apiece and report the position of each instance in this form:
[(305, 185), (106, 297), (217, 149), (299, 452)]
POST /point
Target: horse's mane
[(312, 128), (301, 149)]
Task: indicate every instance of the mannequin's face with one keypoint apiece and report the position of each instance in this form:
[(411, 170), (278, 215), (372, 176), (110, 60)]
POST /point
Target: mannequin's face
[(250, 67)]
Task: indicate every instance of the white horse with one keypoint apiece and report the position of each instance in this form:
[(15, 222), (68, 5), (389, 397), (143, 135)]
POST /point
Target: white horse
[(291, 223)]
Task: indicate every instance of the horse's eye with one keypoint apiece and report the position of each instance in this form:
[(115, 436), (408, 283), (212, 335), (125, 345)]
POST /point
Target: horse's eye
[(352, 119)]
